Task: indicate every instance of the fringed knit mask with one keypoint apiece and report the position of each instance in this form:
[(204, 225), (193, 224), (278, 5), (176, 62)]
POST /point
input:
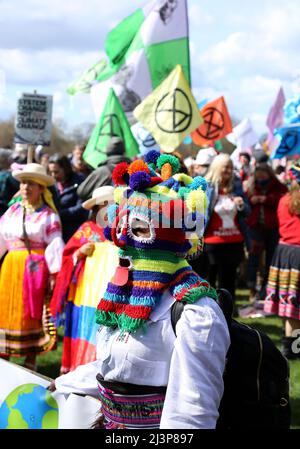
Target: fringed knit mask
[(157, 221)]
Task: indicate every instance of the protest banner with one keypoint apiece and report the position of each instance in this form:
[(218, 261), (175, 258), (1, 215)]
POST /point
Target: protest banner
[(34, 119)]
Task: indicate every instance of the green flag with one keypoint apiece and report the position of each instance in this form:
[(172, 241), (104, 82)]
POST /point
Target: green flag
[(142, 51), (112, 123), (218, 145), (86, 80)]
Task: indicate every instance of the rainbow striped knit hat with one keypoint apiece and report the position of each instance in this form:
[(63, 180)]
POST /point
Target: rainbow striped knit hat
[(157, 221)]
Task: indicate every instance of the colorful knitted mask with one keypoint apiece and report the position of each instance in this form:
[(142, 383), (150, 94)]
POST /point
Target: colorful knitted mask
[(157, 222)]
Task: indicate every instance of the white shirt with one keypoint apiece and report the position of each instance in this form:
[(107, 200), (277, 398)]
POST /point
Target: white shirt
[(191, 365), (43, 228)]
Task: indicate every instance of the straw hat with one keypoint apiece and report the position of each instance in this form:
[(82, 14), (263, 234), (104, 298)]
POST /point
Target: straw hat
[(35, 171), (104, 193)]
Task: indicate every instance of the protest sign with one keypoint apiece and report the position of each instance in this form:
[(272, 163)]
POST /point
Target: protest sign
[(34, 119)]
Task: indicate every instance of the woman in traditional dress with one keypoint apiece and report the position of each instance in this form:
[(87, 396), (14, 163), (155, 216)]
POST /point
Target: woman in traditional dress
[(283, 287), (88, 264), (30, 231)]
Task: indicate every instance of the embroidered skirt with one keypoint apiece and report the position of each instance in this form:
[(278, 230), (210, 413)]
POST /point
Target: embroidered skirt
[(20, 335), (131, 411), (283, 288)]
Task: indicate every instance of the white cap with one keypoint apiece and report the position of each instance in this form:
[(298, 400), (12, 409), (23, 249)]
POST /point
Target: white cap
[(205, 156), (188, 162)]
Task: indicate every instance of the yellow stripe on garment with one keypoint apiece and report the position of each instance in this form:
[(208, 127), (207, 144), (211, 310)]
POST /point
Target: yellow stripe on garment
[(98, 271), (158, 265)]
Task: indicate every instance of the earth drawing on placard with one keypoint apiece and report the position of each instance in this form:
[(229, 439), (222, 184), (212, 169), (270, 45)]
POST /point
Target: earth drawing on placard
[(29, 406)]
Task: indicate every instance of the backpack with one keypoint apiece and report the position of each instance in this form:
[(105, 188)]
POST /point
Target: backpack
[(256, 376)]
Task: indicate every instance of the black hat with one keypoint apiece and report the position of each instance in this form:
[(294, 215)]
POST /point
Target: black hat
[(260, 156), (115, 147)]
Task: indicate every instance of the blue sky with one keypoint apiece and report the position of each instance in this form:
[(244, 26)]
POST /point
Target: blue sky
[(242, 50)]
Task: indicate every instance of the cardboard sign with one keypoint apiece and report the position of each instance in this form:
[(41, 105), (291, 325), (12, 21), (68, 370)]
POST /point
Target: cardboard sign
[(34, 119)]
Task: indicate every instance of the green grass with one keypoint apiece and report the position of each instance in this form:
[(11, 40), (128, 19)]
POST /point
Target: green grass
[(49, 364), (272, 326)]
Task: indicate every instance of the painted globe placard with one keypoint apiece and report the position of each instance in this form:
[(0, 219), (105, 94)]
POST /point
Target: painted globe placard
[(29, 406)]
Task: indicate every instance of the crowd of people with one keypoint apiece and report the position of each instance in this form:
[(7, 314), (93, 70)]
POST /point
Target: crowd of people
[(62, 264)]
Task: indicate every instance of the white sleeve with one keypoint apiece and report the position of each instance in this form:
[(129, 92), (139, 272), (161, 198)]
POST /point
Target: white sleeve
[(195, 385), (55, 243), (82, 380), (53, 254), (3, 246)]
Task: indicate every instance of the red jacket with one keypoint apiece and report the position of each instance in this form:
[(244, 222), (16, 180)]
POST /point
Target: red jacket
[(264, 216), (289, 225)]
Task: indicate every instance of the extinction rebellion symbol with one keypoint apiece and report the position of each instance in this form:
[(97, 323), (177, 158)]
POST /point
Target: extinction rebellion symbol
[(213, 124), (111, 127), (289, 142), (168, 117), (145, 138)]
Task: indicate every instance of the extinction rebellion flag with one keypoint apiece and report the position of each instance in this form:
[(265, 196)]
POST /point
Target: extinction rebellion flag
[(289, 141), (170, 112), (142, 51), (112, 123), (217, 123)]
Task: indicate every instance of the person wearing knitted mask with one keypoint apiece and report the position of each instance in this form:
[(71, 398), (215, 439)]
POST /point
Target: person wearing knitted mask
[(146, 374)]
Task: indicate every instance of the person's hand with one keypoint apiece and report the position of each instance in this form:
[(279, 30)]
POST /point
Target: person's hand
[(262, 198), (52, 281), (87, 249), (254, 199), (52, 386), (239, 202)]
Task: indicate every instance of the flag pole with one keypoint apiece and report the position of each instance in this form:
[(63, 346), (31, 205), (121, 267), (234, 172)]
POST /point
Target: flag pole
[(30, 150), (188, 34)]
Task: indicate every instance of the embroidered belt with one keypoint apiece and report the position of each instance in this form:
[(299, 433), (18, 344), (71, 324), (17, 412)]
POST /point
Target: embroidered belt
[(19, 245), (131, 410)]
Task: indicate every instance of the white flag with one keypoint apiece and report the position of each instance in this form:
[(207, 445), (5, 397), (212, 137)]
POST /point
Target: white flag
[(143, 50), (243, 135)]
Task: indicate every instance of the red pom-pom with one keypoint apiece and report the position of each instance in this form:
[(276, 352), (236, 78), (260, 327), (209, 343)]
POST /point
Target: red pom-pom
[(120, 174)]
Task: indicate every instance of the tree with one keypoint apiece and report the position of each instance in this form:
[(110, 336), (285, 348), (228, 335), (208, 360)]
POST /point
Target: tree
[(62, 139)]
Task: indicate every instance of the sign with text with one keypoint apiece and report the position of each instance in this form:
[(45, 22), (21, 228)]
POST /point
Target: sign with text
[(34, 119)]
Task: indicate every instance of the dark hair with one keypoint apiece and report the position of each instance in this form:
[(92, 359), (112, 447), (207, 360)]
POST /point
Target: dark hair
[(247, 155), (294, 200), (279, 169), (64, 163), (262, 166)]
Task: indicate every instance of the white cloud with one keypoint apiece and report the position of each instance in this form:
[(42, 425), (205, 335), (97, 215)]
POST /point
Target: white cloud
[(198, 15), (244, 53), (249, 64), (44, 67)]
